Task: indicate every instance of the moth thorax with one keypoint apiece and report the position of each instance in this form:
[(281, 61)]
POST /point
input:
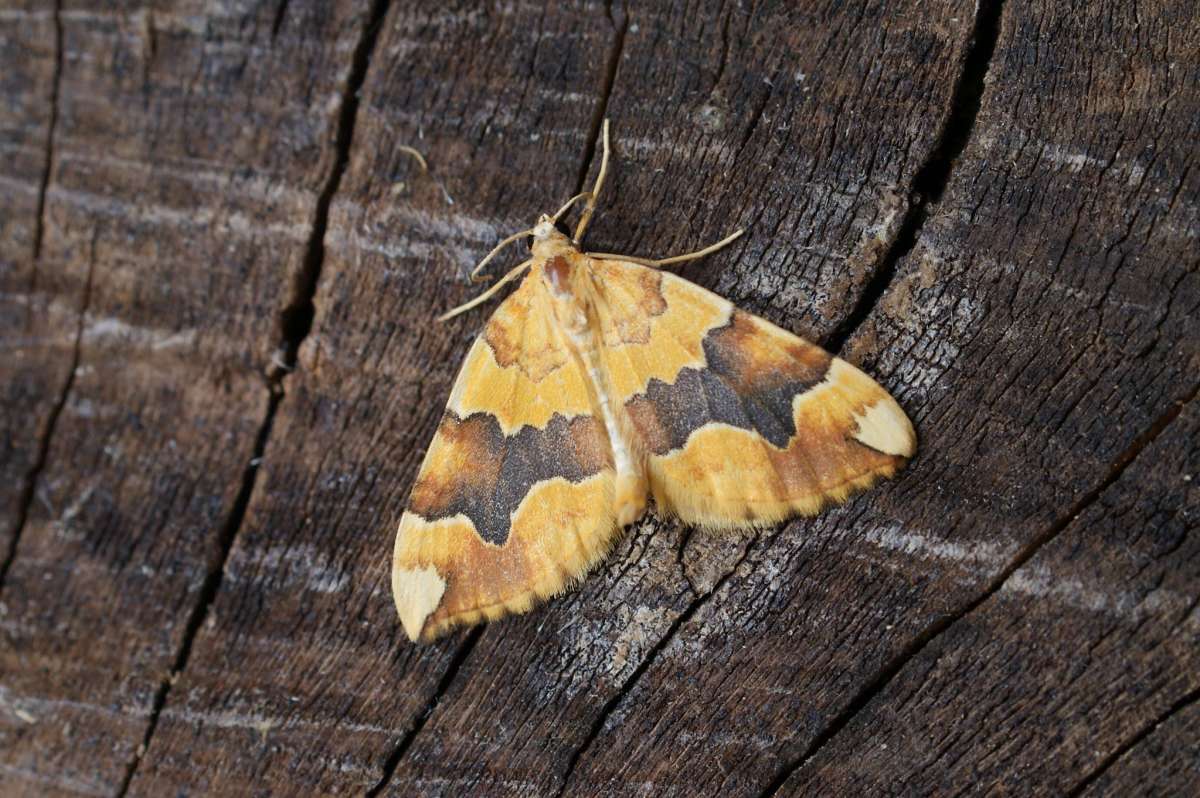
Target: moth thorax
[(558, 275), (560, 278)]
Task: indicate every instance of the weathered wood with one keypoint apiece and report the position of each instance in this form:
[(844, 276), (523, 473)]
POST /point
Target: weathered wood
[(36, 331), (1085, 646), (1065, 253), (1158, 764), (1017, 612), (370, 387), (188, 155)]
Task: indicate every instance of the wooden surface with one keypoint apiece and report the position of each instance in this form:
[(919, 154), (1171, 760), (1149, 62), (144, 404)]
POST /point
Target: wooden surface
[(218, 273)]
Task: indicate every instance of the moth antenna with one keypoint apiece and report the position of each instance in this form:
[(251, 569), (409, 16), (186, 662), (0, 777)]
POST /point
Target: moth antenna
[(700, 253), (590, 207), (496, 250), (567, 205), (488, 294)]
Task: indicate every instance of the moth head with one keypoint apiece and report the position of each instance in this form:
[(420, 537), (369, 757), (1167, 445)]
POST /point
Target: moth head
[(544, 227), (548, 240)]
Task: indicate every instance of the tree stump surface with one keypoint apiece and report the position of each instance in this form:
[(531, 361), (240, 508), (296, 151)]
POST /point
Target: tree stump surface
[(219, 269)]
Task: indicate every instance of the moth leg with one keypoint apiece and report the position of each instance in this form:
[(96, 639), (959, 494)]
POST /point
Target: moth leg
[(590, 207), (486, 295), (700, 253)]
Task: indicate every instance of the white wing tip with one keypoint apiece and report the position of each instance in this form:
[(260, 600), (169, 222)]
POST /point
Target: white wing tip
[(417, 593), (885, 428)]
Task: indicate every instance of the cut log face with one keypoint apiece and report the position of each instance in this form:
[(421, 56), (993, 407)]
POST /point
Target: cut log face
[(219, 266)]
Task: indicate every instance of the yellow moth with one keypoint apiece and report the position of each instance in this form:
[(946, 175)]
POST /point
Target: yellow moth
[(601, 382)]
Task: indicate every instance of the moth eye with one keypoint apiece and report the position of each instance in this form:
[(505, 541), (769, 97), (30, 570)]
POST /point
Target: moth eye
[(561, 227)]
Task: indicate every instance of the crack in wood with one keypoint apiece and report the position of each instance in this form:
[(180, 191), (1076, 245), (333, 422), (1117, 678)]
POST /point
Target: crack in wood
[(43, 451), (280, 15), (685, 538), (931, 179), (1141, 734), (724, 60), (213, 577), (295, 323), (615, 700), (919, 643), (755, 119), (392, 763), (620, 26), (39, 222)]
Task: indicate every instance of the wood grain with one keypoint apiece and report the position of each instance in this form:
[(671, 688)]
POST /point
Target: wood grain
[(187, 159), (37, 330)]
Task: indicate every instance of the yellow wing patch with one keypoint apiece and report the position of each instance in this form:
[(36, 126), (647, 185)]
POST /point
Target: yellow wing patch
[(756, 424), (727, 476), (444, 575), (519, 370), (651, 324)]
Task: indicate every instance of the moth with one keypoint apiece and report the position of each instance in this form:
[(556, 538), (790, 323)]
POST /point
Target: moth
[(602, 382)]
